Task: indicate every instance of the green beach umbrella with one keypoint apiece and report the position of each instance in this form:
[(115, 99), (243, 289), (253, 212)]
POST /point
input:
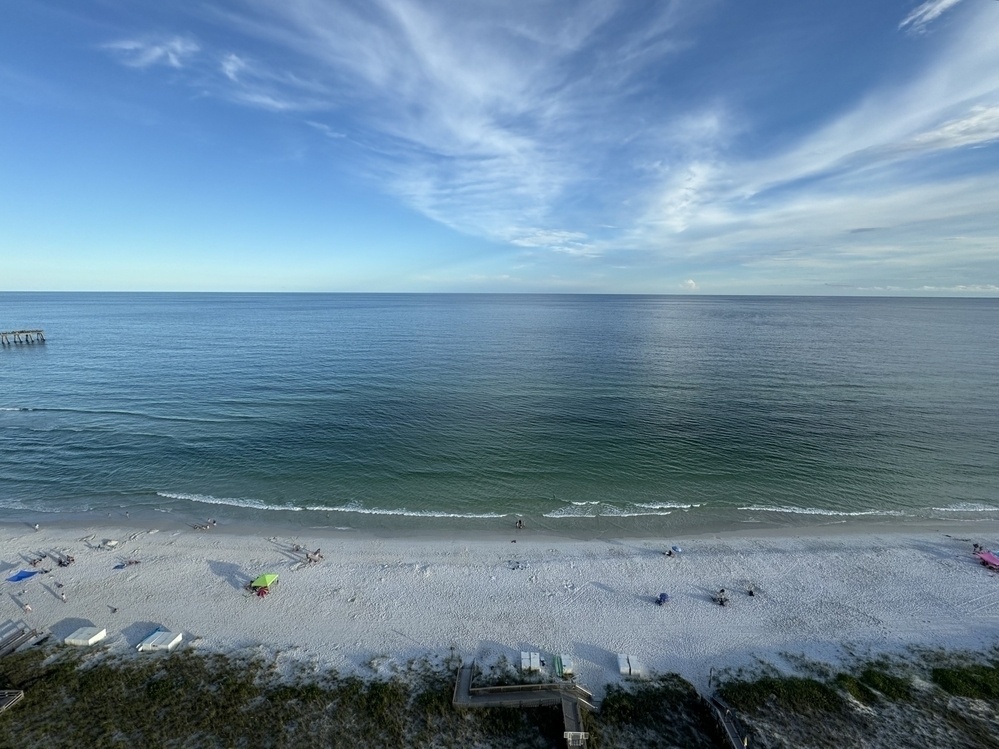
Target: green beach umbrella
[(264, 581)]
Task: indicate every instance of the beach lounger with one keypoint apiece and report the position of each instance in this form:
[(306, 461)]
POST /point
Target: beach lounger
[(564, 666), (160, 640), (630, 666), (636, 667), (86, 636)]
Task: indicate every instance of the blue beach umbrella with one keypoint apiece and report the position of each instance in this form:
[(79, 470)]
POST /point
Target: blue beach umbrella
[(676, 549)]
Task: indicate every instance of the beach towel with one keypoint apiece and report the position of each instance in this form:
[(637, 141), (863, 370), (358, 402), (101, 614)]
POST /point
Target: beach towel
[(22, 575), (988, 558)]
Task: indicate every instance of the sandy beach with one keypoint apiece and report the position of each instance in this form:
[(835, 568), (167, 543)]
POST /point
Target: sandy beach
[(371, 602)]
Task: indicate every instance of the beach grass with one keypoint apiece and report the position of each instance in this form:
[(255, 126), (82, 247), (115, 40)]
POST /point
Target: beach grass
[(934, 698), (75, 698), (665, 711), (189, 698)]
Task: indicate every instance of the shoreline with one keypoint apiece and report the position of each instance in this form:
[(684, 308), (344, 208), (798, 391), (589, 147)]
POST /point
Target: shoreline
[(770, 523), (505, 529), (825, 594)]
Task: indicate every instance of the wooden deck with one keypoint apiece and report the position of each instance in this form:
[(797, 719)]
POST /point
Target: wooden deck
[(570, 697), (8, 337)]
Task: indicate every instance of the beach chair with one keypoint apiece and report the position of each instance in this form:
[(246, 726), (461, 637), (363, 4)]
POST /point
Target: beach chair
[(564, 666)]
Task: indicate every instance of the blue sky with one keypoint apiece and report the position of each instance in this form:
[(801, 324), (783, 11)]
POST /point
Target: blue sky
[(689, 146)]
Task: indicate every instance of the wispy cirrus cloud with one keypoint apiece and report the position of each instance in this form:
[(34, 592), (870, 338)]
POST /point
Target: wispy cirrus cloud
[(979, 126), (172, 51), (924, 14), (558, 127), (884, 162), (478, 115), (567, 242)]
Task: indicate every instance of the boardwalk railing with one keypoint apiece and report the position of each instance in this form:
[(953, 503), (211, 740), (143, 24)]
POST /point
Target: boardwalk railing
[(726, 719), (21, 336), (16, 636), (8, 697)]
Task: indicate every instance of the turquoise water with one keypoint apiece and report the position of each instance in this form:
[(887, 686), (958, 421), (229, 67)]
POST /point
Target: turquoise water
[(579, 413)]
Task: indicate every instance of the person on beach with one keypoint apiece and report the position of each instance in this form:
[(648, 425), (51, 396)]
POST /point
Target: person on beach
[(519, 524), (63, 597), (27, 608)]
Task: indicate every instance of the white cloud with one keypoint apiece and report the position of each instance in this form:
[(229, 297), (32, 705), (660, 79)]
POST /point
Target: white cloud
[(689, 285), (175, 52), (325, 129), (232, 65), (924, 14), (572, 243), (975, 288)]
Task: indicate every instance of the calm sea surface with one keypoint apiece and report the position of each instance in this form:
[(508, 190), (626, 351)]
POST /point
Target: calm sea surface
[(588, 414)]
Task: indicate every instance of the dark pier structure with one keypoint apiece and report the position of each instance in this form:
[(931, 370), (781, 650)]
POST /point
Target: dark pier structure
[(9, 337)]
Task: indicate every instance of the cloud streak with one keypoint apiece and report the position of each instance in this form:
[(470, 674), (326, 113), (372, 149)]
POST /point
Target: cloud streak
[(923, 15), (494, 119), (174, 52)]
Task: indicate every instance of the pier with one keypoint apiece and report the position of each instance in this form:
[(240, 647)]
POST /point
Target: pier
[(8, 337)]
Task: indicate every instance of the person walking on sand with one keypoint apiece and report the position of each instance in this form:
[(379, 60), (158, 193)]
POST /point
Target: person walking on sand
[(63, 597), (27, 608)]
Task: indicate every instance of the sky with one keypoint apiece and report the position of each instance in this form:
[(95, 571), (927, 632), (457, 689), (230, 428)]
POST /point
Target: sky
[(563, 146)]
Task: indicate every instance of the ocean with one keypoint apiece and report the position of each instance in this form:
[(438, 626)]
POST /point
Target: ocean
[(581, 414)]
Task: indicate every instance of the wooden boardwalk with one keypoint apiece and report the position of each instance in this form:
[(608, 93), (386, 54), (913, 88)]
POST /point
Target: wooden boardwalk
[(726, 719), (21, 336), (8, 697), (569, 696)]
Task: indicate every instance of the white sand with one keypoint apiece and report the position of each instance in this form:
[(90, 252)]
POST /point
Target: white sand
[(393, 599)]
